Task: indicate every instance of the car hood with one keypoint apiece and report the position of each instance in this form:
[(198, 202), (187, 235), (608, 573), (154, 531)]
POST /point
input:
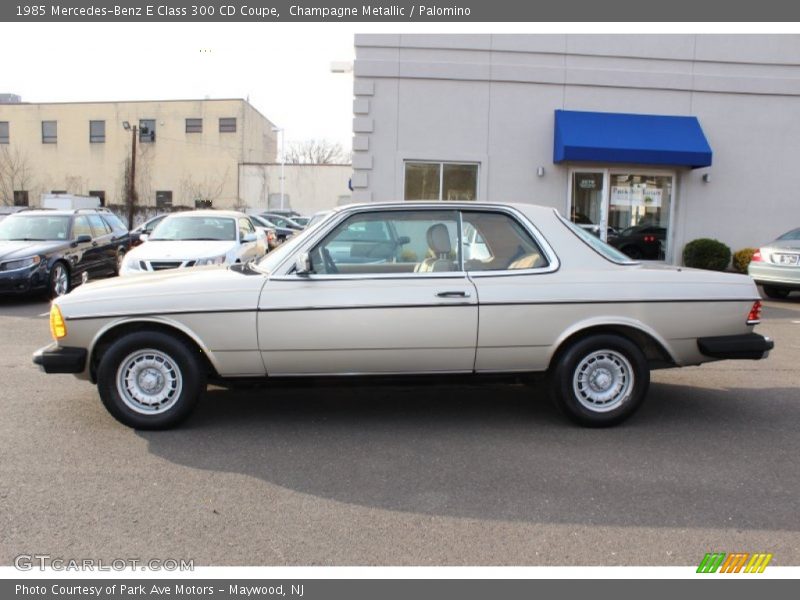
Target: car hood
[(161, 250), (197, 289), (13, 249)]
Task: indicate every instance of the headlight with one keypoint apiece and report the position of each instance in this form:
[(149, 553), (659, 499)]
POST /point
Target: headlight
[(214, 260), (23, 263)]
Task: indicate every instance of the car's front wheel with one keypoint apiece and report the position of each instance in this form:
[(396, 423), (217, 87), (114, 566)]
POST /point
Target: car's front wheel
[(59, 281), (150, 380), (600, 380)]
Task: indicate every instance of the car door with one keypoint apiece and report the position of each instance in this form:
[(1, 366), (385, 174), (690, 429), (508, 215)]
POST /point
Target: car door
[(85, 258), (373, 304), (512, 268), (103, 244)]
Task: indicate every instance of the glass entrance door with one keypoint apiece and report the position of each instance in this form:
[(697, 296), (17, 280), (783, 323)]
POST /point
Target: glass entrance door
[(587, 208), (629, 209)]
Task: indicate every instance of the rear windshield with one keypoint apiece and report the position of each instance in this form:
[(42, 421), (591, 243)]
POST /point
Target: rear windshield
[(794, 234), (598, 245)]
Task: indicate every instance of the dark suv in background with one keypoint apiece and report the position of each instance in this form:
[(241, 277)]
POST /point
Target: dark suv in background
[(52, 251)]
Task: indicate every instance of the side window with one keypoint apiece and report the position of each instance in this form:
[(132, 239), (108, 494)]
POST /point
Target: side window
[(81, 227), (99, 227), (408, 241), (245, 227), (117, 226), (497, 242)]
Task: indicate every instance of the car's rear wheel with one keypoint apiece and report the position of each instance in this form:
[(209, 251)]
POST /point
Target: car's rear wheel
[(150, 380), (777, 293), (59, 281), (600, 380)]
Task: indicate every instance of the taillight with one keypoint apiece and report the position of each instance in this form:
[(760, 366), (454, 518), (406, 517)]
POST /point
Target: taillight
[(650, 239), (757, 256), (755, 313)]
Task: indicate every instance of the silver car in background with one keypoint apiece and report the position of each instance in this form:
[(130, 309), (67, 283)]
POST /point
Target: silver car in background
[(776, 266)]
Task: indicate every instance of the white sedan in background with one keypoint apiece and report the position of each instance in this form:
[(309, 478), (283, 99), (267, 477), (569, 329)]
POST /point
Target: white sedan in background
[(195, 239)]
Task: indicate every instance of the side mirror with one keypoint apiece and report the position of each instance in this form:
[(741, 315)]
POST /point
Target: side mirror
[(250, 237), (302, 264), (403, 240), (143, 237), (83, 239)]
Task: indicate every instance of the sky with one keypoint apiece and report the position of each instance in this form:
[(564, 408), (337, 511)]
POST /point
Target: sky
[(284, 69)]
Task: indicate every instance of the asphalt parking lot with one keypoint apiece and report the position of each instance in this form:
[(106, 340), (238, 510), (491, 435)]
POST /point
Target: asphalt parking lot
[(405, 475)]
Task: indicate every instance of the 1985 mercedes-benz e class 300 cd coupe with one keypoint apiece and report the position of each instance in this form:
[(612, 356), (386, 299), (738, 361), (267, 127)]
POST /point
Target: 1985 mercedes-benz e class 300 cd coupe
[(407, 289)]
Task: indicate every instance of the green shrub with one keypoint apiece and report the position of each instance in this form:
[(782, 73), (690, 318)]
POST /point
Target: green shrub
[(741, 258), (705, 253)]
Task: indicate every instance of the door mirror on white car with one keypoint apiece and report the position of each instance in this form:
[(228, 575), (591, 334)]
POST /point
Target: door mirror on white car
[(302, 265), (250, 237), (143, 237)]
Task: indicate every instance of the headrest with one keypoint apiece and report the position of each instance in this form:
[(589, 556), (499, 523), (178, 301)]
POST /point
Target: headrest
[(439, 239)]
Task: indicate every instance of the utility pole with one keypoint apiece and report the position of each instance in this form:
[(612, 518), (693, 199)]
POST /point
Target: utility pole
[(131, 200)]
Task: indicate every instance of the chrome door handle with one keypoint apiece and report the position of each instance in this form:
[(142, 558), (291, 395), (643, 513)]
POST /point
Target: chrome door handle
[(453, 294)]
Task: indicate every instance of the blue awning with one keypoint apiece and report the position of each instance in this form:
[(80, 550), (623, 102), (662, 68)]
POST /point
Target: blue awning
[(629, 138)]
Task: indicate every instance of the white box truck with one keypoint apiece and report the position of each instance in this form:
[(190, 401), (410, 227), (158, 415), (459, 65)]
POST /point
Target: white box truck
[(69, 201)]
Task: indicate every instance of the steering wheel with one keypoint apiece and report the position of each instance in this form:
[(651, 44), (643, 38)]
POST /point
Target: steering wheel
[(330, 266)]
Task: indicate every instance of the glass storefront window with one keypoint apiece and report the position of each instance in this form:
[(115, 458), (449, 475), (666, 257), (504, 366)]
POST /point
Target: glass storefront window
[(441, 181), (631, 211)]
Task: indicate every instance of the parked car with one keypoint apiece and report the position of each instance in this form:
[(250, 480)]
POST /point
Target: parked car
[(269, 232), (281, 233), (776, 266), (546, 297), (52, 251), (318, 217), (145, 229), (640, 242), (196, 238), (302, 221), (281, 220)]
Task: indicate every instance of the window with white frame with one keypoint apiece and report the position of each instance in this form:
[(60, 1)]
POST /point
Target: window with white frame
[(440, 181)]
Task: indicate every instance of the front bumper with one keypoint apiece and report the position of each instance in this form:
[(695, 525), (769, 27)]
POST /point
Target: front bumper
[(57, 359), (747, 346)]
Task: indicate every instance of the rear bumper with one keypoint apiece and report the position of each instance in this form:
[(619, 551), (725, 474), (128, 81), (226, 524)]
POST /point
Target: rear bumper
[(55, 359), (747, 346), (777, 275)]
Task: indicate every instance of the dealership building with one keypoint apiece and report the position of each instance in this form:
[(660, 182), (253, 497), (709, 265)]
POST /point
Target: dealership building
[(685, 135)]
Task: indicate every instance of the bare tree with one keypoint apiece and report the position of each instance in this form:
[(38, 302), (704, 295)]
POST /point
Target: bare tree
[(316, 152), (207, 190), (15, 173)]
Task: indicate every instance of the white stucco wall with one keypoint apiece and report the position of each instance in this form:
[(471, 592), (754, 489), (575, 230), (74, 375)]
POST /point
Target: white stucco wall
[(491, 99), (308, 188)]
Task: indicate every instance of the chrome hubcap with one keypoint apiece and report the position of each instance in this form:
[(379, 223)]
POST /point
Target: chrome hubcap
[(149, 381), (603, 380), (60, 280)]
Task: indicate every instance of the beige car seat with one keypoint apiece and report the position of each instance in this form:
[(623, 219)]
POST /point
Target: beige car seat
[(440, 246)]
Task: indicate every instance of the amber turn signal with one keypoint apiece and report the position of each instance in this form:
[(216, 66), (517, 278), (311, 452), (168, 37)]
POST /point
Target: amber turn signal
[(58, 329)]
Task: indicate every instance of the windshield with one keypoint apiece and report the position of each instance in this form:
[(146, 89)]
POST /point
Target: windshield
[(218, 229), (277, 256), (598, 245), (35, 227)]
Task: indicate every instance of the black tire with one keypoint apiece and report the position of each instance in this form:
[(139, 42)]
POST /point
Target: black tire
[(777, 293), (60, 280), (118, 261), (163, 355), (600, 356)]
